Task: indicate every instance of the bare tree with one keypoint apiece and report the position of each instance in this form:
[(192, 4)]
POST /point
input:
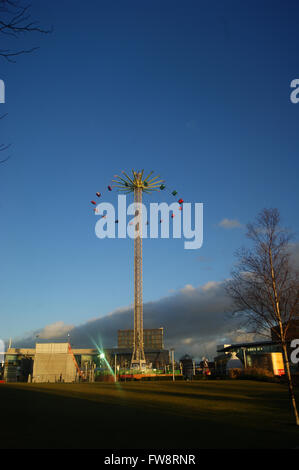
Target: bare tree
[(15, 20), (265, 285), (2, 146)]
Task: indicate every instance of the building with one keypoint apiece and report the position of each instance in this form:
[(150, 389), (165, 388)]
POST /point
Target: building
[(53, 362), (155, 355), (58, 362), (155, 358), (153, 339), (259, 354), (18, 364)]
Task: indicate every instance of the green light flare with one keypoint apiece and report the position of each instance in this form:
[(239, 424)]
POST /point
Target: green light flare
[(102, 356)]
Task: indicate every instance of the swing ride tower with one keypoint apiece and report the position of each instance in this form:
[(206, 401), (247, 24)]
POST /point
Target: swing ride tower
[(138, 185)]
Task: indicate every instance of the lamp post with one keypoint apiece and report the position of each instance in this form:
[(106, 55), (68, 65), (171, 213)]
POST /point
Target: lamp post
[(172, 358), (245, 360), (115, 359)]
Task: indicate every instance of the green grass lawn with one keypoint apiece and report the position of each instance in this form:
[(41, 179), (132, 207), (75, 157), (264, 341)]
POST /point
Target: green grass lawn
[(201, 414)]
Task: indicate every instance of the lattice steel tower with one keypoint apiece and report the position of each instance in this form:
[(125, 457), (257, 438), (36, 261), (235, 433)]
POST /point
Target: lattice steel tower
[(138, 185)]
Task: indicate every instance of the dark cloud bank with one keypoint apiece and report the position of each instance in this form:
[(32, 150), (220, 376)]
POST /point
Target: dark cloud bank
[(195, 320)]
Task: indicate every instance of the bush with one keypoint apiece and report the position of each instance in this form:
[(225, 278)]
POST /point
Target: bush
[(258, 373), (253, 373), (234, 373)]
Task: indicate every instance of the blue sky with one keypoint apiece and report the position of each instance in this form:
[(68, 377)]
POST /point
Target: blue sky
[(199, 92)]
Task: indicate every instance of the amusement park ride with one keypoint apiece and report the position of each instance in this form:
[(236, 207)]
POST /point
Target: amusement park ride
[(138, 185)]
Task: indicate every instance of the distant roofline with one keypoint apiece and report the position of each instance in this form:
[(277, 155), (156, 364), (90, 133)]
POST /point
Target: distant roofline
[(144, 329), (244, 345), (83, 351)]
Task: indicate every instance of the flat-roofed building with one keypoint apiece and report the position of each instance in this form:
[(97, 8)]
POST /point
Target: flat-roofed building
[(255, 354), (53, 363), (59, 362), (153, 338)]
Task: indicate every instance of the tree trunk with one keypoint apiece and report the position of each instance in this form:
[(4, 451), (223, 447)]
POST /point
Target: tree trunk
[(283, 342), (290, 382)]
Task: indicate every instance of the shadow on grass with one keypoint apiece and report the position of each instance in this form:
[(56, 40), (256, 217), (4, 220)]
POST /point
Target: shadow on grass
[(43, 419)]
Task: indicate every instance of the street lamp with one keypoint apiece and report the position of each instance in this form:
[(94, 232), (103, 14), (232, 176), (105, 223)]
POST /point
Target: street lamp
[(244, 355), (172, 358), (115, 359)]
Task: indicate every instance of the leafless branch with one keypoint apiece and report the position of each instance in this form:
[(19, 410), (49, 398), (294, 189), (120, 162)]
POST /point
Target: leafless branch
[(15, 20), (4, 147), (265, 284)]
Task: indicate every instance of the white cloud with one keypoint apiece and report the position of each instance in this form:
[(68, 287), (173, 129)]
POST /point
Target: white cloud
[(230, 223), (55, 330), (188, 288), (186, 340)]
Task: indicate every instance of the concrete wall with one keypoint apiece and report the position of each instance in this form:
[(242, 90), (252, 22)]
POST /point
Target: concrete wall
[(53, 363)]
